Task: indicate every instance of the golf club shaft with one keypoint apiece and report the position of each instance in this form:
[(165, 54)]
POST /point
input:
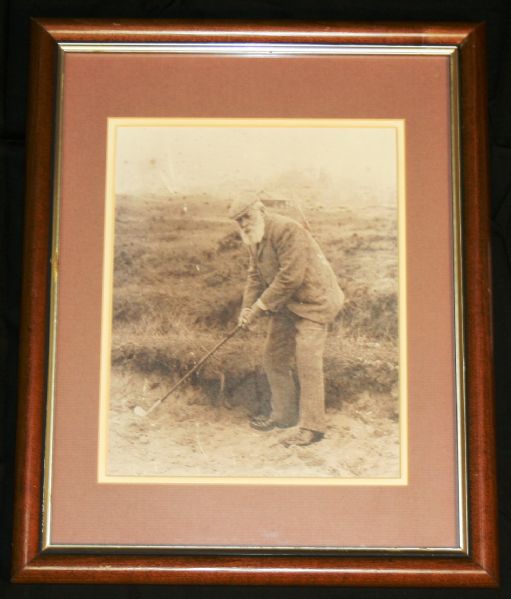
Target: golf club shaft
[(196, 367)]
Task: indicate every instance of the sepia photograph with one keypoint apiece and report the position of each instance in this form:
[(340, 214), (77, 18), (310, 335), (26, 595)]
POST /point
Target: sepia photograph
[(253, 303)]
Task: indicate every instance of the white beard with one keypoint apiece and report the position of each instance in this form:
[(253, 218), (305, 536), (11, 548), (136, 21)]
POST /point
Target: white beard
[(256, 234)]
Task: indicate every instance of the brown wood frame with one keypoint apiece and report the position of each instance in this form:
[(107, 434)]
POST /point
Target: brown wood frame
[(30, 564)]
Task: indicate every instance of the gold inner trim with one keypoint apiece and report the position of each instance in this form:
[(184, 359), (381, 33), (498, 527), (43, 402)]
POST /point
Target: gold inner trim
[(459, 339), (274, 50), (53, 317)]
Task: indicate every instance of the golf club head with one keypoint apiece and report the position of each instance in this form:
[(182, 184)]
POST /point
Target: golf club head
[(138, 411)]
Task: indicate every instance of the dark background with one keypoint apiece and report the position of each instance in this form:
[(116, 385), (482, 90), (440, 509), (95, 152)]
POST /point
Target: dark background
[(14, 49)]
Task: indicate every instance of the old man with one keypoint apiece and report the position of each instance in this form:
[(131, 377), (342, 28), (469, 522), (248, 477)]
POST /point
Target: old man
[(290, 280)]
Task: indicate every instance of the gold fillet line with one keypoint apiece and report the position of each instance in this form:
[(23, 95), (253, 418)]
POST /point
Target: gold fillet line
[(53, 316)]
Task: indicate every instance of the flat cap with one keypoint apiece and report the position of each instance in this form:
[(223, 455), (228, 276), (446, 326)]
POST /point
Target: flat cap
[(240, 205)]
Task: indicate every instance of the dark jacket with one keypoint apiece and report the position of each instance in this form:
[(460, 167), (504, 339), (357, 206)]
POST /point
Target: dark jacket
[(288, 269)]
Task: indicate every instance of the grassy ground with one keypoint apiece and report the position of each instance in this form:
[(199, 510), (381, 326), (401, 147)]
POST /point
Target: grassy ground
[(179, 274)]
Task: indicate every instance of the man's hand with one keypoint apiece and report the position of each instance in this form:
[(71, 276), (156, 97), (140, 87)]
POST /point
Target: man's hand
[(248, 315), (244, 317)]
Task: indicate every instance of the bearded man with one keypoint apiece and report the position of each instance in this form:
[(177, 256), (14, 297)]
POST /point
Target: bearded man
[(290, 280)]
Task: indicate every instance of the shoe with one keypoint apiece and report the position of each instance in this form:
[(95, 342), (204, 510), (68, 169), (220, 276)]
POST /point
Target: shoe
[(265, 423), (303, 438)]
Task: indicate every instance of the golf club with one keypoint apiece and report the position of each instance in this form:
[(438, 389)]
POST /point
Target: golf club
[(139, 410)]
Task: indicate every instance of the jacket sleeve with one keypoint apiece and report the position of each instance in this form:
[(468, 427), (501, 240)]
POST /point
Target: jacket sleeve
[(254, 285), (291, 249)]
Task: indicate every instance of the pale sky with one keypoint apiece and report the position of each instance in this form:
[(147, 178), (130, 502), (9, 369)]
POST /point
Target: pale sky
[(185, 158)]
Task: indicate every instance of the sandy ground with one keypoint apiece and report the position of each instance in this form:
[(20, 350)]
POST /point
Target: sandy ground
[(193, 435)]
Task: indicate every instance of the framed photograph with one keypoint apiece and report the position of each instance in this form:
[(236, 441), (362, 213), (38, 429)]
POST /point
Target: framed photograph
[(256, 342)]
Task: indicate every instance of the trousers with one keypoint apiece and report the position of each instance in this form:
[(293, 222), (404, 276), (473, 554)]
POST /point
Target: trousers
[(293, 340)]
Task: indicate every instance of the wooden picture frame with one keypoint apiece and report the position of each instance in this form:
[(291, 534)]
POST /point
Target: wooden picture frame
[(470, 562)]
